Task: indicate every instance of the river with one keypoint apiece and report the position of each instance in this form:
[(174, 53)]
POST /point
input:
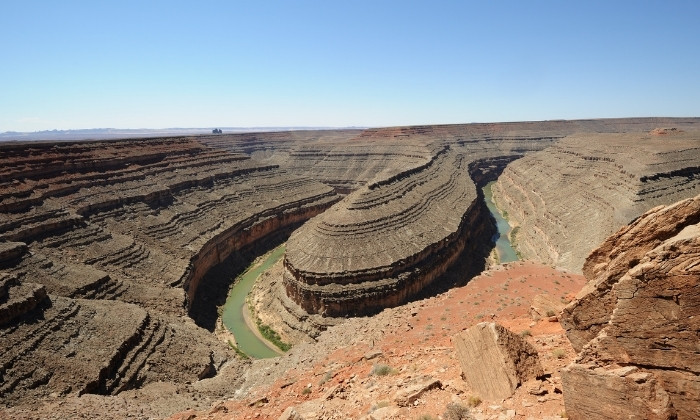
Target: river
[(232, 315), (504, 249)]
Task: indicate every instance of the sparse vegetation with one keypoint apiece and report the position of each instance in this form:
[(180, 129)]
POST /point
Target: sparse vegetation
[(267, 332), (525, 333), (306, 391), (326, 377), (474, 401), (426, 417), (380, 404), (551, 313), (240, 353), (456, 411), (382, 370), (559, 353), (272, 336)]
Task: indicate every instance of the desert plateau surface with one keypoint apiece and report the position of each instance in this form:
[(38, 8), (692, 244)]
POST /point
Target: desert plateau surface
[(381, 293)]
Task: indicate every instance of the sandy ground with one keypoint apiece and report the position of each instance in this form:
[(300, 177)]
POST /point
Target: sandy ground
[(415, 342)]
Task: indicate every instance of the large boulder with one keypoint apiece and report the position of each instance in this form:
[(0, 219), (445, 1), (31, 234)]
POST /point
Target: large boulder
[(605, 266), (642, 307), (495, 361)]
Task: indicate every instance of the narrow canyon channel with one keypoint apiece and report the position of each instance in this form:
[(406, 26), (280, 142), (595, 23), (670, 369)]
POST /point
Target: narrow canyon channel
[(250, 343), (232, 316), (504, 249)]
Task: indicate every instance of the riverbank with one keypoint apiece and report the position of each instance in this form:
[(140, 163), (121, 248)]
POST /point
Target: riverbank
[(504, 249), (235, 315)]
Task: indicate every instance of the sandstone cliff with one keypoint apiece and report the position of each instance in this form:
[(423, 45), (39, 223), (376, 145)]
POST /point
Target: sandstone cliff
[(569, 197), (637, 321)]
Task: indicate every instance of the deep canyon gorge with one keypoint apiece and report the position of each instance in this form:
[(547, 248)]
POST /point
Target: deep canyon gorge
[(114, 255)]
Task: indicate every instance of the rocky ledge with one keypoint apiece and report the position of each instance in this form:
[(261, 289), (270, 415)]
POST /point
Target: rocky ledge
[(637, 322)]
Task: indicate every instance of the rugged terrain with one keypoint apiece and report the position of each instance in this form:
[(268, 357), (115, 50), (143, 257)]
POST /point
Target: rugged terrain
[(637, 322), (343, 369), (90, 230), (155, 230), (568, 198)]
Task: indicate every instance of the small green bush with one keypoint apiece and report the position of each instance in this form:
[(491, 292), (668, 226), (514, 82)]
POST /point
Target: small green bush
[(382, 370), (474, 401), (559, 353), (456, 411)]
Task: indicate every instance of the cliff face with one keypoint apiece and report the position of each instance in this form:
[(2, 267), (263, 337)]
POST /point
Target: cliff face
[(383, 243), (93, 229), (637, 321), (571, 196)]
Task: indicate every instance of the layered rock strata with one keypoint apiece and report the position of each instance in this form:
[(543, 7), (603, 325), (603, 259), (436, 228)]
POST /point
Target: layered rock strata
[(383, 243), (569, 197), (495, 361), (142, 221), (637, 321), (85, 225)]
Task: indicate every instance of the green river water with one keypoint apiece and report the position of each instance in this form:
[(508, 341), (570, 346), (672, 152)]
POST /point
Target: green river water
[(232, 315), (235, 304), (504, 249)]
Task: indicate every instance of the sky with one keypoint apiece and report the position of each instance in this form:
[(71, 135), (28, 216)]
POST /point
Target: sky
[(162, 64)]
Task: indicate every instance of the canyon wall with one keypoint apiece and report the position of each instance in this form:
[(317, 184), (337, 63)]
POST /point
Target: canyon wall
[(569, 197), (134, 227), (385, 242), (93, 229)]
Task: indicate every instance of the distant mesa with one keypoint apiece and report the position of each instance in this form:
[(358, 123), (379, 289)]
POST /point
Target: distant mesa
[(216, 131)]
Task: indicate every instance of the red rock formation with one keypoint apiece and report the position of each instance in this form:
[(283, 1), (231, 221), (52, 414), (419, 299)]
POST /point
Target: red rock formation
[(637, 322), (495, 361)]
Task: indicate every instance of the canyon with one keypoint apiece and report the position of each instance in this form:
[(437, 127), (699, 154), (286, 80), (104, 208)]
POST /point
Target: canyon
[(154, 231)]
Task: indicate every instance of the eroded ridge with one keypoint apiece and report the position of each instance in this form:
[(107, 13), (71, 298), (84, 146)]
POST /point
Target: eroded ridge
[(571, 196), (142, 220), (89, 230), (383, 243)]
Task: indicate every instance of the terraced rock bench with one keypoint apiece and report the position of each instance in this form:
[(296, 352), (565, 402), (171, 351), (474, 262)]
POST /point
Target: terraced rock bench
[(571, 196), (141, 221), (384, 243), (86, 225)]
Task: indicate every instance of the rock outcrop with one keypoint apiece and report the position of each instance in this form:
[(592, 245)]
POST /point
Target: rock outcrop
[(637, 321), (495, 361), (569, 197), (384, 243)]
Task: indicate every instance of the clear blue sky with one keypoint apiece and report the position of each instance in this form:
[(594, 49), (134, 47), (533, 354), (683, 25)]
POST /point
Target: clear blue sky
[(158, 64)]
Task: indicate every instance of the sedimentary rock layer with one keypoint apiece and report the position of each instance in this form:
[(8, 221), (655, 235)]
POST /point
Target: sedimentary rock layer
[(84, 224), (637, 321), (569, 197), (383, 243), (495, 361)]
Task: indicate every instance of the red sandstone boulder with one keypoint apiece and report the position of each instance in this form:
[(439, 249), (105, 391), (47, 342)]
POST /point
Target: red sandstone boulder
[(495, 361)]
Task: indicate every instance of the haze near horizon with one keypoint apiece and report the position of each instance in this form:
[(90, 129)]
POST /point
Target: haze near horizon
[(127, 64)]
